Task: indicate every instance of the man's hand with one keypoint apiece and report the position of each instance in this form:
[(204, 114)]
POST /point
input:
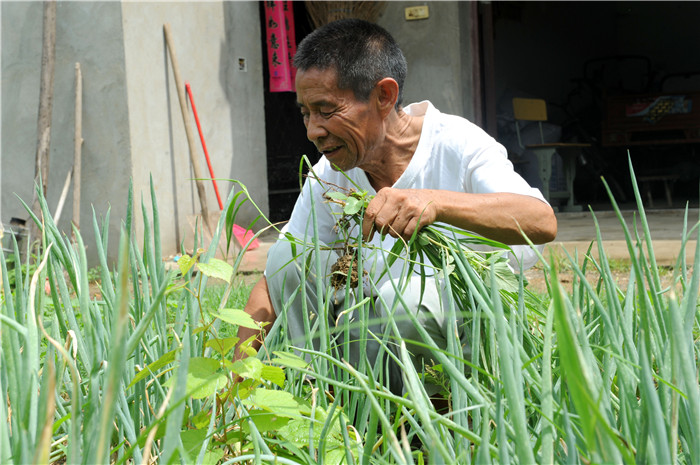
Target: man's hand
[(259, 307), (503, 217), (399, 212)]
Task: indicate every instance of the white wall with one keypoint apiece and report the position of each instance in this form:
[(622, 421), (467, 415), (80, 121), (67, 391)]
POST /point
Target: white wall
[(225, 98), (436, 48), (132, 125)]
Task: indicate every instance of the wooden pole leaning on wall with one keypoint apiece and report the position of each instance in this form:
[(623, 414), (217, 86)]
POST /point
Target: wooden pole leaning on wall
[(188, 127), (48, 60), (77, 147)]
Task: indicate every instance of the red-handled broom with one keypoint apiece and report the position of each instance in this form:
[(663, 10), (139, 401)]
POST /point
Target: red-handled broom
[(242, 235)]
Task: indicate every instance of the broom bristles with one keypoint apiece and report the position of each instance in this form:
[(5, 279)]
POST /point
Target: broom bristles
[(324, 12)]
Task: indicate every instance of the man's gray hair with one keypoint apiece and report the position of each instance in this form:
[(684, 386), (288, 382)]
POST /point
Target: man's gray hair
[(361, 53)]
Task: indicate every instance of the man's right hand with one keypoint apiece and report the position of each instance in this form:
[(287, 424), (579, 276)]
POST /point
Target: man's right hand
[(399, 212)]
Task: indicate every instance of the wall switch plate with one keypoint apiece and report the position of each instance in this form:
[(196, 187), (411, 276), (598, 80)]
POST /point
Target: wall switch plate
[(416, 12)]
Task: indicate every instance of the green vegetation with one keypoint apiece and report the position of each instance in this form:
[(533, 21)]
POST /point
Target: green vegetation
[(143, 372)]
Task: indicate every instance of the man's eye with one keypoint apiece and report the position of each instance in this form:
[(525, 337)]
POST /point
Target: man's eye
[(326, 114)]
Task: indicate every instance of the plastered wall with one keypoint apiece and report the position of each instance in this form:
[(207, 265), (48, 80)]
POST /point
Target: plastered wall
[(132, 124)]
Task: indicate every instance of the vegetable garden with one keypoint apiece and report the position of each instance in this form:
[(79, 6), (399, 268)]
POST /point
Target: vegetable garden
[(143, 371)]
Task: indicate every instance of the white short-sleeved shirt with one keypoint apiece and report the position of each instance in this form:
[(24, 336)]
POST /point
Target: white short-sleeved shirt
[(453, 154)]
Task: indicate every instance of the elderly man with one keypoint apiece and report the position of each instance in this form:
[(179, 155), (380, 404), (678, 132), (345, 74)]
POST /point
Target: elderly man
[(422, 167)]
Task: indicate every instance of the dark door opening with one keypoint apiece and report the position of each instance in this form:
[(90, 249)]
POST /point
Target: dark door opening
[(284, 131)]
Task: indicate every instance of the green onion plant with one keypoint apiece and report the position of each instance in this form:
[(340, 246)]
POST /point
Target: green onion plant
[(142, 371)]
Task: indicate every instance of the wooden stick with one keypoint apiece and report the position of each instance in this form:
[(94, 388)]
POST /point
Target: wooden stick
[(78, 144), (188, 126), (48, 60), (62, 199)]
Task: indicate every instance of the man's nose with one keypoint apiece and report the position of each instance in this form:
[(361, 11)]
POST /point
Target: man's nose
[(314, 128)]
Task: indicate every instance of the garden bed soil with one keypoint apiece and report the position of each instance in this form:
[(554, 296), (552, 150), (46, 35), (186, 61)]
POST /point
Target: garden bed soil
[(621, 274)]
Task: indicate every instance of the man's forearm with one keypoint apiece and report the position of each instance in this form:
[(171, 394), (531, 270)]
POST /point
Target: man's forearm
[(260, 308), (503, 217)]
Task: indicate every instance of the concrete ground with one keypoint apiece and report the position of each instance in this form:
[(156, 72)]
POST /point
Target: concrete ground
[(576, 231)]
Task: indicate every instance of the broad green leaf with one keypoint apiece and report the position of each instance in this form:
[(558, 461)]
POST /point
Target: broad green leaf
[(246, 347), (352, 206), (236, 317), (504, 276), (322, 416), (335, 456), (289, 359), (222, 345), (218, 269), (185, 263), (335, 195), (423, 239), (273, 374), (201, 420), (213, 456), (264, 421), (204, 377), (297, 432), (168, 357), (244, 388), (448, 268), (280, 402), (249, 367), (192, 440), (199, 329)]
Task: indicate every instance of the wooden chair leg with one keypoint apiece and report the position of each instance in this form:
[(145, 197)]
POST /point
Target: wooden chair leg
[(669, 197), (646, 189)]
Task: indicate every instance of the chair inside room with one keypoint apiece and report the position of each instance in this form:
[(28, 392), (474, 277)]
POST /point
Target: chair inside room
[(535, 110)]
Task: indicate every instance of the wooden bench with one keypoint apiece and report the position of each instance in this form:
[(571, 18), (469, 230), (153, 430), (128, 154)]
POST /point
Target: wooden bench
[(668, 180)]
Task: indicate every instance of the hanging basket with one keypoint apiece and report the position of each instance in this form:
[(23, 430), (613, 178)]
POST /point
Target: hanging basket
[(324, 12)]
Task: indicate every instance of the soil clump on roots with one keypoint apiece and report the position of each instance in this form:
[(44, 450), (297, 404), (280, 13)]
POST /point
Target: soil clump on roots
[(346, 264)]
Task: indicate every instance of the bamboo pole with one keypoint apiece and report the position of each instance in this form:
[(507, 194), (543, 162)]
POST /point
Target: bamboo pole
[(188, 126), (78, 145)]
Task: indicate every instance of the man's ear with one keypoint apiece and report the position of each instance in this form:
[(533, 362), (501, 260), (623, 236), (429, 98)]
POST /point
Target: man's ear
[(387, 94)]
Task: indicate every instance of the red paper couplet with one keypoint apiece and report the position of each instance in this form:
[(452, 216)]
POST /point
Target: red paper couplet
[(281, 45)]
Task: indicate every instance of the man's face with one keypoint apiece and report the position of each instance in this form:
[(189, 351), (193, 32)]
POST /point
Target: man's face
[(343, 128)]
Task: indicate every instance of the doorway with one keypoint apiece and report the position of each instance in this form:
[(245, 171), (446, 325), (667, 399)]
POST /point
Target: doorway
[(285, 134)]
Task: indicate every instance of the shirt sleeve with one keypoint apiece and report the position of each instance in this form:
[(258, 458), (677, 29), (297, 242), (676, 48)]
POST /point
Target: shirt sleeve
[(490, 170)]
